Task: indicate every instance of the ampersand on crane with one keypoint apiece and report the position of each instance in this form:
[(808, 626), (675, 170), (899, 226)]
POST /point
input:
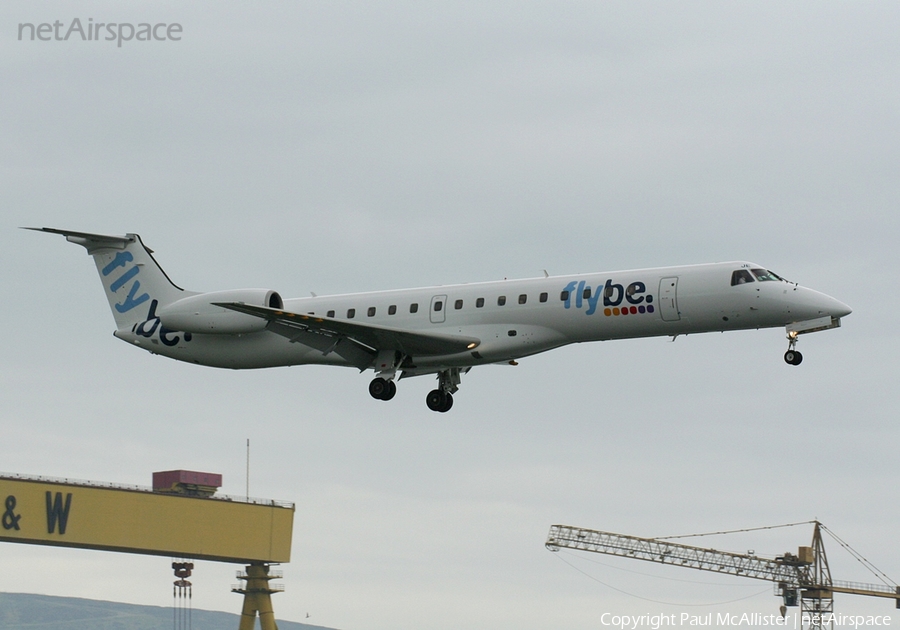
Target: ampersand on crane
[(10, 518)]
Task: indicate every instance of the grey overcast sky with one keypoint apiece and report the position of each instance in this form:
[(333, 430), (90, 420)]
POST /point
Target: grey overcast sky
[(349, 146)]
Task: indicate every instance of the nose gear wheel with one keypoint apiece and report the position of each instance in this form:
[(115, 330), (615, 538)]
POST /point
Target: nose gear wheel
[(792, 356)]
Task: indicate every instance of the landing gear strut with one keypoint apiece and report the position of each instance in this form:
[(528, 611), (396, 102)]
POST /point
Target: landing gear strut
[(382, 389), (387, 363), (441, 399), (792, 356)]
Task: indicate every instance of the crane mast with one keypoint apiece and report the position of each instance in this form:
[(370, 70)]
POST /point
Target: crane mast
[(805, 576)]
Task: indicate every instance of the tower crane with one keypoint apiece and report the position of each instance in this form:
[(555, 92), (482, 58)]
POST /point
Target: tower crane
[(804, 577)]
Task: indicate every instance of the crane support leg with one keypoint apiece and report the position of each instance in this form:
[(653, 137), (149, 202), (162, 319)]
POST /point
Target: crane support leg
[(257, 597)]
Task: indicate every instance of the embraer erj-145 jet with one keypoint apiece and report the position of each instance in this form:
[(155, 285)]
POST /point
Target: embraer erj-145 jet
[(443, 330)]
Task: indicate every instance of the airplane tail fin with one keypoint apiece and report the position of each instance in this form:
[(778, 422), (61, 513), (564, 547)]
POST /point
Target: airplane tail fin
[(133, 281)]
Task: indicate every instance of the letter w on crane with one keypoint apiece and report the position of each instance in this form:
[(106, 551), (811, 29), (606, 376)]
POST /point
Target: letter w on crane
[(57, 512)]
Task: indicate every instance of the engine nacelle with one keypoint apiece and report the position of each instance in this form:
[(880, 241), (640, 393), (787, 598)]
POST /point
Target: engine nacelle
[(197, 314)]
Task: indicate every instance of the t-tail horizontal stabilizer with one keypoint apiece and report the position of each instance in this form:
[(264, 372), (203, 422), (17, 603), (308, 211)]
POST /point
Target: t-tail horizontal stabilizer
[(134, 282)]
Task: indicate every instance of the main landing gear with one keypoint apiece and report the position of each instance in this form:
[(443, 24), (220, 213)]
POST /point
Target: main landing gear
[(440, 399), (382, 389), (792, 356)]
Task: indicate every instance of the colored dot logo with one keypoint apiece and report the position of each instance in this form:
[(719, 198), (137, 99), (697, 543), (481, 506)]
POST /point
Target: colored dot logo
[(628, 310)]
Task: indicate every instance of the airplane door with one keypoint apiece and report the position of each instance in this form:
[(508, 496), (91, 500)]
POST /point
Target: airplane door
[(437, 313), (668, 299)]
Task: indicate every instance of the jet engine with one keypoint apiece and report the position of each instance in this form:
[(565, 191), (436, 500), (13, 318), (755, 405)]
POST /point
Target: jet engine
[(197, 314)]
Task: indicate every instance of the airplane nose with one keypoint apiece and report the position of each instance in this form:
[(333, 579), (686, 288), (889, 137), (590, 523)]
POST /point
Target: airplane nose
[(840, 309), (812, 304), (833, 307)]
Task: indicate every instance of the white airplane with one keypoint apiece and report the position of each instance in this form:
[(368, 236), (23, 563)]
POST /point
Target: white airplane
[(442, 330)]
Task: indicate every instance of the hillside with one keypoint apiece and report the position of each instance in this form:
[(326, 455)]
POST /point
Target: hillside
[(21, 611)]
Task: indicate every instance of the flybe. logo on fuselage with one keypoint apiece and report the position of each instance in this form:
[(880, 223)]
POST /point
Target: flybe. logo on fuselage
[(617, 299)]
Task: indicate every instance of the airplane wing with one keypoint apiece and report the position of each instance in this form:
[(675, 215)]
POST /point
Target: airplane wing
[(313, 330)]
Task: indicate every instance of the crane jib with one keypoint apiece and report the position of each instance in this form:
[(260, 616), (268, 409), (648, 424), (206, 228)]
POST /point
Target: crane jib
[(806, 573)]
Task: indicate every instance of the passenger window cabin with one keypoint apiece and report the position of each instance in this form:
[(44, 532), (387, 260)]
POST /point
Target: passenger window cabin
[(523, 298)]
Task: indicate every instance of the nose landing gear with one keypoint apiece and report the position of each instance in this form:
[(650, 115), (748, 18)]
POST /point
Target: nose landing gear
[(792, 356)]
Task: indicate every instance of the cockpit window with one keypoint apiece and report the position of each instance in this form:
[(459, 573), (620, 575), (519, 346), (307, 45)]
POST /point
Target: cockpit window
[(741, 276), (764, 275)]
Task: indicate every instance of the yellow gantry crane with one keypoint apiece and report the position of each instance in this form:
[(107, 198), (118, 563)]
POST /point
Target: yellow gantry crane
[(179, 517), (803, 578)]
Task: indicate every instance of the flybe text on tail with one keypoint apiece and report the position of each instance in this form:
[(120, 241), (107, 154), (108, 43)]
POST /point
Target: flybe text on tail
[(131, 300)]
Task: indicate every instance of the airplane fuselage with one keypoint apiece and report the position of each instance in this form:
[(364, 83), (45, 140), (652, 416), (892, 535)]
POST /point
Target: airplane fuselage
[(442, 330), (516, 318)]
